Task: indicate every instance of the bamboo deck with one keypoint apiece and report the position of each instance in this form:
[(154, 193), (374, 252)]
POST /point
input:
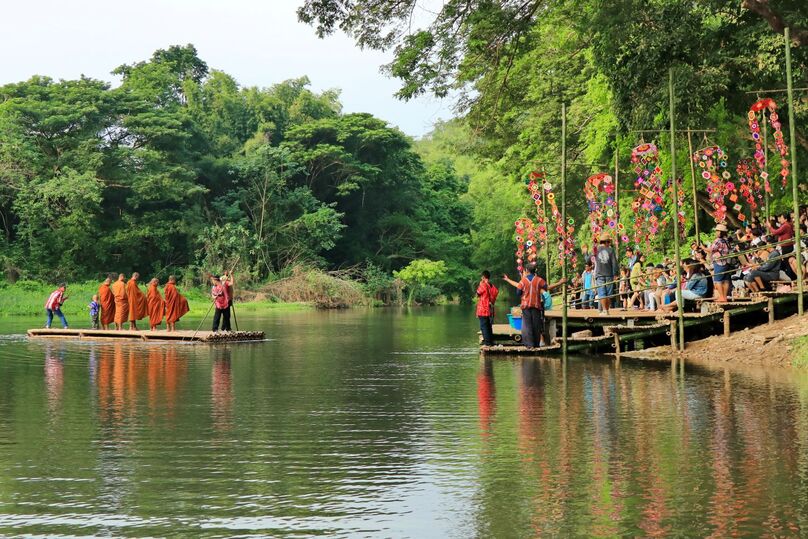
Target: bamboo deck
[(611, 333), (146, 335)]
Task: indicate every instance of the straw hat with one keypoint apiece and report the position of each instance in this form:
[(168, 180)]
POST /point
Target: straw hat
[(721, 227), (605, 237)]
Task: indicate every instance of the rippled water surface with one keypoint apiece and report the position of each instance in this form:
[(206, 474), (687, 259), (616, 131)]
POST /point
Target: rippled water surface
[(387, 424)]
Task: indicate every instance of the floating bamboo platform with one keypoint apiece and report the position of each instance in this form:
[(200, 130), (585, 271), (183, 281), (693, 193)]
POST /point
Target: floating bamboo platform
[(622, 329), (147, 335)]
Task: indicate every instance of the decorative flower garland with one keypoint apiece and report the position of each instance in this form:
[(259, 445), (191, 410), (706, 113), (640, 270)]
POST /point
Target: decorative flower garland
[(599, 192), (760, 155), (749, 184), (680, 204), (650, 201), (713, 164), (525, 242), (528, 232)]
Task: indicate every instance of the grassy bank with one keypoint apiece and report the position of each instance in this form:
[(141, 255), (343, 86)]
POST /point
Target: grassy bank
[(799, 352), (27, 298)]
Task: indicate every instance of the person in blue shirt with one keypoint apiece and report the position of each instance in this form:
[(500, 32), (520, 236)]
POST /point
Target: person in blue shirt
[(588, 292), (94, 308), (696, 285)]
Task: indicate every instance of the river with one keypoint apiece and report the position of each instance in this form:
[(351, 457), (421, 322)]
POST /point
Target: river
[(386, 423)]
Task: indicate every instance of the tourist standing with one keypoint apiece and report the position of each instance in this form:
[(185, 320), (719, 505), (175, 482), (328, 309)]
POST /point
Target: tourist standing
[(721, 269), (54, 306), (486, 297), (606, 270)]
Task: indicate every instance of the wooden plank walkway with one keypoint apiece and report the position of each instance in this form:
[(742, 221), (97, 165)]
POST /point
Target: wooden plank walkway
[(147, 335)]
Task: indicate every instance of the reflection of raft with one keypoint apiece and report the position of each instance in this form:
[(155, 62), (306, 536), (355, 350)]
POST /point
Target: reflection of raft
[(146, 335)]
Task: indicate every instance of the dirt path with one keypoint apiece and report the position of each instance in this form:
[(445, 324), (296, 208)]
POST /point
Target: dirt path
[(761, 345)]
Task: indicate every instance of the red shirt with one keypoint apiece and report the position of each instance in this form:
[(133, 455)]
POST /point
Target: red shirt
[(783, 233), (531, 292), (221, 297), (54, 300), (488, 295)]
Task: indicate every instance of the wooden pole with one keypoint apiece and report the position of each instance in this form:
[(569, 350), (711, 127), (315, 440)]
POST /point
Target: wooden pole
[(794, 190), (765, 165), (693, 178), (677, 250), (616, 206), (564, 233), (547, 241)]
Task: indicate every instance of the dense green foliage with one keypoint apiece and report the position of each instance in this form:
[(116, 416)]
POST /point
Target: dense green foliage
[(179, 169), (512, 63)]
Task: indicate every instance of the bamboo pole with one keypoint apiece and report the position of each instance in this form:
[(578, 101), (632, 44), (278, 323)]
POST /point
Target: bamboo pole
[(547, 240), (765, 165), (693, 178), (564, 232), (616, 205), (679, 306), (794, 190)]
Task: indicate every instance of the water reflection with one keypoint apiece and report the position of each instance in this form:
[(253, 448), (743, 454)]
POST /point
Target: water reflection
[(395, 432)]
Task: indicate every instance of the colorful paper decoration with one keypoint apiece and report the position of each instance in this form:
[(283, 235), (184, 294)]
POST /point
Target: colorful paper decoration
[(649, 206), (680, 204), (761, 107), (749, 184), (711, 164), (599, 192), (526, 230)]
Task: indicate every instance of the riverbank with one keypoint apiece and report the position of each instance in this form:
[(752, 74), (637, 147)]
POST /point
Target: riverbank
[(782, 344), (27, 298)]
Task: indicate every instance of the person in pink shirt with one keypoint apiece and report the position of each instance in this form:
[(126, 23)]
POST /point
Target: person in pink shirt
[(221, 302), (54, 306)]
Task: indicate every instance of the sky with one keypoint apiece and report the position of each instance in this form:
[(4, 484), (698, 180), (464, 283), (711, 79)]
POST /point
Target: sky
[(259, 42)]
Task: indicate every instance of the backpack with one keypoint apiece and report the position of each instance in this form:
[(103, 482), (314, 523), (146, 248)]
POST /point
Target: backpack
[(547, 300)]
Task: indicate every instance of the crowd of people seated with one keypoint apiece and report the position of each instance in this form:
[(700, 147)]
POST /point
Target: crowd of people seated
[(757, 257)]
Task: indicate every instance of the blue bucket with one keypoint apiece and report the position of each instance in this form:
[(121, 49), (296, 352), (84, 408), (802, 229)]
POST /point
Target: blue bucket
[(515, 322)]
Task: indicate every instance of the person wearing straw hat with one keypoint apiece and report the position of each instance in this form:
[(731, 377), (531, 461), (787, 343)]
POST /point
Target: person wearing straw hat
[(606, 269), (221, 301), (721, 268)]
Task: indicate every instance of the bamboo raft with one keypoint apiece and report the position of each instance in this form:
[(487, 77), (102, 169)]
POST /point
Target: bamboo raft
[(595, 334), (209, 337)]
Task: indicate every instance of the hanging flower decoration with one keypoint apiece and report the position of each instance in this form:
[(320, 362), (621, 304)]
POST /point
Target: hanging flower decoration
[(599, 192), (541, 191), (711, 163), (526, 244), (749, 184), (761, 107), (649, 204)]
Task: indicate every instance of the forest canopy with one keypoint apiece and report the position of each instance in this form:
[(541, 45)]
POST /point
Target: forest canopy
[(179, 168)]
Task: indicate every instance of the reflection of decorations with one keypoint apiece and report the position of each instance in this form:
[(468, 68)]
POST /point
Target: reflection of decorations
[(749, 183), (649, 204), (712, 161), (761, 107), (599, 192)]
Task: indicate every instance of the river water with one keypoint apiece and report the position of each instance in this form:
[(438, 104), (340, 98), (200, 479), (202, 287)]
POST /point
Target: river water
[(385, 423)]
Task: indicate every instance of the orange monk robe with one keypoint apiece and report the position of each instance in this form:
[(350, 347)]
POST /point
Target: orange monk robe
[(107, 301), (155, 306), (176, 304), (121, 302), (137, 301)]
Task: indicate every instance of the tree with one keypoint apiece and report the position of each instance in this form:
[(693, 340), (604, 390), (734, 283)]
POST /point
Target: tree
[(420, 273)]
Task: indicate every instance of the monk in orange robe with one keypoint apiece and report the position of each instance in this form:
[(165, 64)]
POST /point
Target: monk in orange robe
[(176, 304), (137, 301), (121, 301), (107, 301), (155, 305)]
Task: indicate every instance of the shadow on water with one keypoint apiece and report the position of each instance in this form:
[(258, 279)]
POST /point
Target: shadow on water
[(387, 423)]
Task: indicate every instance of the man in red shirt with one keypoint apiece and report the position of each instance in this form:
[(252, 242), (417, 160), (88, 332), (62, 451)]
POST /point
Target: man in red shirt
[(530, 289), (221, 302), (54, 306), (487, 295)]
